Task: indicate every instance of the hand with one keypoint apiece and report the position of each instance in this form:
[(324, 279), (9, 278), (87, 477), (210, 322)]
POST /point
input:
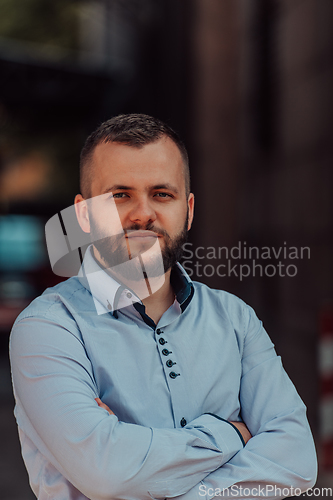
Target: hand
[(102, 405), (243, 430)]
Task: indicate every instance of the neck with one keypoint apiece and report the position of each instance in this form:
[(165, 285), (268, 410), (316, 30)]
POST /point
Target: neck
[(157, 303), (156, 294)]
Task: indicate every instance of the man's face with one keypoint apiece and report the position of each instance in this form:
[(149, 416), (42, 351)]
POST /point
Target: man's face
[(147, 187)]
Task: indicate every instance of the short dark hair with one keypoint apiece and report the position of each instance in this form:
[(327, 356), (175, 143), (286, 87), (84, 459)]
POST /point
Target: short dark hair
[(134, 130)]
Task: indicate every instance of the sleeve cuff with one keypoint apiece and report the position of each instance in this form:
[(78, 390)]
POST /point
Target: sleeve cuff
[(232, 425), (226, 439)]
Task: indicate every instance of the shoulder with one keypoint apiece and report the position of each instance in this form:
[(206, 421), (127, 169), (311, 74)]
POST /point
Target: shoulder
[(228, 306), (232, 312), (226, 301), (60, 305), (47, 337), (52, 299)]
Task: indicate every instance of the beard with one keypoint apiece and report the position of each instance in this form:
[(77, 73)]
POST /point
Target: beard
[(119, 258)]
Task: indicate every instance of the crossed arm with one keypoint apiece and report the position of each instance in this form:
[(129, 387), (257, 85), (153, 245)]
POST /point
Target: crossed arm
[(106, 459), (246, 435), (102, 457)]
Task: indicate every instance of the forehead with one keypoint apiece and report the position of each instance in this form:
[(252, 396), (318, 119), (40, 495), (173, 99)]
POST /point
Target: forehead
[(159, 162)]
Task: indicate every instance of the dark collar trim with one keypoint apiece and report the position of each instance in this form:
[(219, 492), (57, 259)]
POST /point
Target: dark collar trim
[(186, 302), (142, 310), (182, 287)]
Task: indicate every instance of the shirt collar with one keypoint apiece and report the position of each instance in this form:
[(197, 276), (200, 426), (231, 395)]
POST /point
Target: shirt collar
[(182, 286), (109, 295)]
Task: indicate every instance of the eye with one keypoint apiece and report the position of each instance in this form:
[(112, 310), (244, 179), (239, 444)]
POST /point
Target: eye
[(163, 195), (119, 195)]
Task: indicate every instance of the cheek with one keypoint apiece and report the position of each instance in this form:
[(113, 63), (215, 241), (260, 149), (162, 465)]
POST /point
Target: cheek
[(175, 225), (106, 219)]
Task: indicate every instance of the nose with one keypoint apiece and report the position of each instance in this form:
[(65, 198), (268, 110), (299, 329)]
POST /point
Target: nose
[(143, 212)]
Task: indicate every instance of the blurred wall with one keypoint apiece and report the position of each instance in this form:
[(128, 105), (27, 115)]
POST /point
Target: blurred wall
[(262, 150)]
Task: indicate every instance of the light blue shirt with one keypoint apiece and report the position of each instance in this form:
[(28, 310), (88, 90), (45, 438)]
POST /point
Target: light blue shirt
[(172, 387)]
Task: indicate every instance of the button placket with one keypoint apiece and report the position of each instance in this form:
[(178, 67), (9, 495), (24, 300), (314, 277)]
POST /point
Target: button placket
[(169, 362)]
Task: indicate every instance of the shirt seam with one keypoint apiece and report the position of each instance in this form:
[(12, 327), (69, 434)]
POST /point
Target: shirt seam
[(51, 318)]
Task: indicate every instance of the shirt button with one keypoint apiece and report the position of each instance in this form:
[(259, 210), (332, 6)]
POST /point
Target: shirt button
[(128, 295), (158, 331), (162, 341), (170, 363), (165, 352), (173, 374), (183, 422)]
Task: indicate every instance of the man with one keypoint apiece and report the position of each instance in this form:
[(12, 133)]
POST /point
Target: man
[(135, 383)]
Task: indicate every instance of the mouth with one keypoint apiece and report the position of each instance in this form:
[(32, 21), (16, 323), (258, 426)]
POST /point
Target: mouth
[(139, 234)]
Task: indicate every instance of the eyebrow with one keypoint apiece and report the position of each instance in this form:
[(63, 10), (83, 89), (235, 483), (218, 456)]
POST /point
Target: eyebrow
[(117, 187)]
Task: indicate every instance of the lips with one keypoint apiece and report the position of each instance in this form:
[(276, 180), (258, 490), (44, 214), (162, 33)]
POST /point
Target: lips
[(132, 234)]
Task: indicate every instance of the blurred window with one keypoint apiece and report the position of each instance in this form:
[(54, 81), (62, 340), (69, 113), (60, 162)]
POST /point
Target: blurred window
[(22, 246)]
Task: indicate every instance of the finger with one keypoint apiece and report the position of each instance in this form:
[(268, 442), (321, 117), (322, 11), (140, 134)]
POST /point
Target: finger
[(103, 405)]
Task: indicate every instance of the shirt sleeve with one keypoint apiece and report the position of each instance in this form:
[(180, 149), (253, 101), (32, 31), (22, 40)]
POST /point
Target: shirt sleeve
[(280, 459), (102, 457)]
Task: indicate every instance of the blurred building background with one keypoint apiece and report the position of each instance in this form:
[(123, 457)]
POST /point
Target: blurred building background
[(248, 85)]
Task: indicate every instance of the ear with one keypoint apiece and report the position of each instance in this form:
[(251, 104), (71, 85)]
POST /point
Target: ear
[(190, 204), (82, 214)]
